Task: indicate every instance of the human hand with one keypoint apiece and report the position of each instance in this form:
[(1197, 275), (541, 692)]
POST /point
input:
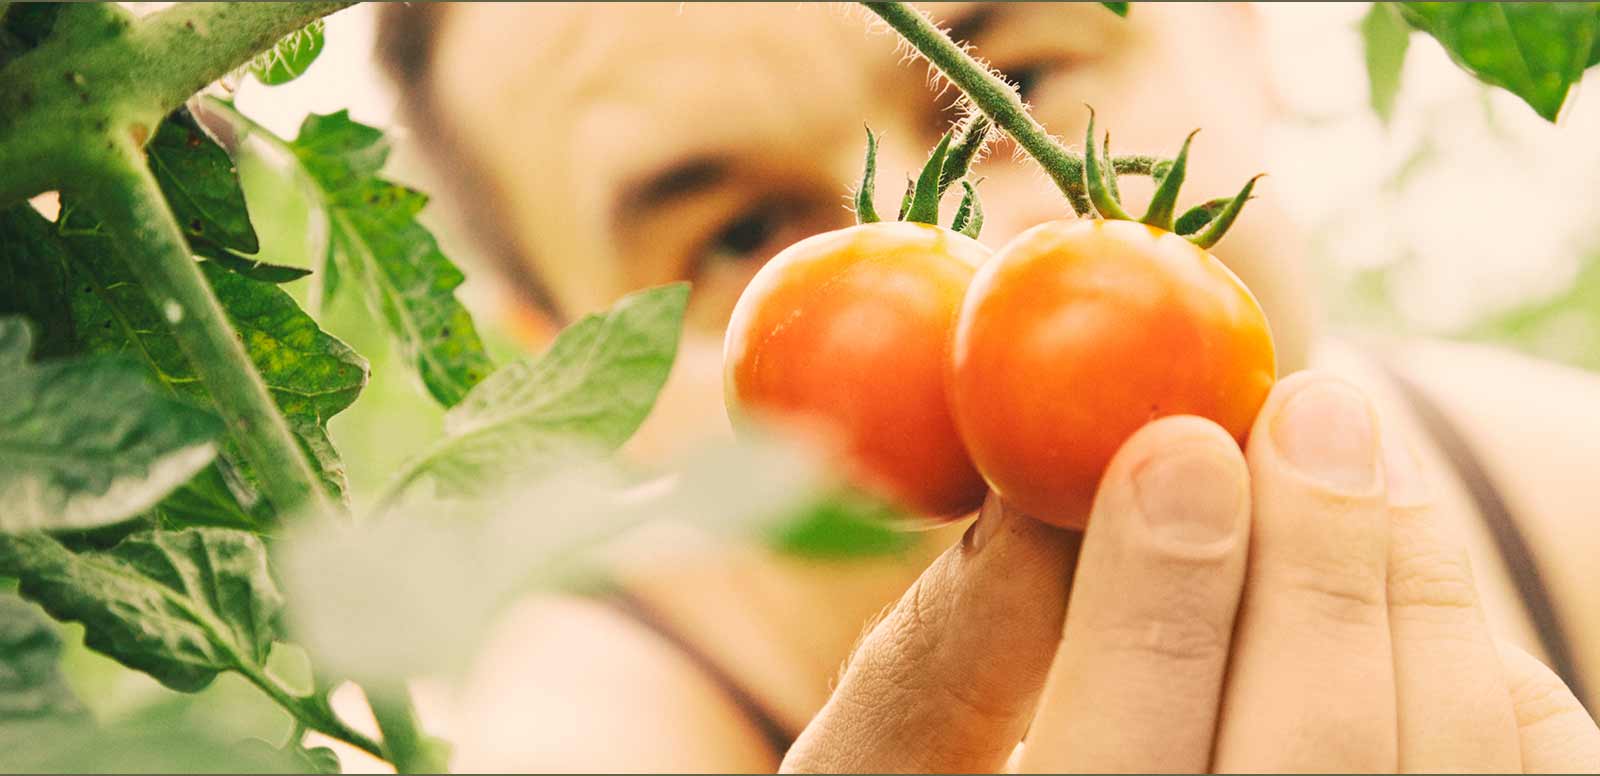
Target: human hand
[(1299, 607)]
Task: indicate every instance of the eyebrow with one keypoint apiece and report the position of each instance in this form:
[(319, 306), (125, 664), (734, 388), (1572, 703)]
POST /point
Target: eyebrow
[(675, 180)]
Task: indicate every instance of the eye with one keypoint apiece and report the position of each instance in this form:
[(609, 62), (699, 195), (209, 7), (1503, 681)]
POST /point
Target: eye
[(747, 233), (1027, 76)]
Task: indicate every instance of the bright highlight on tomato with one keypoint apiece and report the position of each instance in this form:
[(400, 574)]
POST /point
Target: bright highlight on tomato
[(850, 331), (1076, 334)]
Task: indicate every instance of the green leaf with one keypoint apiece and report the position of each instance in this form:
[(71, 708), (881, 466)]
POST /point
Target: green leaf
[(455, 563), (31, 685), (181, 606), (843, 526), (201, 185), (34, 280), (311, 375), (88, 442), (163, 738), (378, 245), (1536, 51), (1385, 37), (290, 58), (588, 392), (1120, 9), (265, 272)]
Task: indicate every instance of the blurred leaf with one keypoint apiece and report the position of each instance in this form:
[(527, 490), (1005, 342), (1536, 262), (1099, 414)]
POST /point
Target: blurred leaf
[(31, 685), (455, 564), (159, 739), (87, 442), (200, 184), (843, 526), (290, 58), (1536, 51), (317, 759), (588, 392), (1563, 327), (1120, 9), (1385, 37), (311, 375), (378, 245), (182, 606)]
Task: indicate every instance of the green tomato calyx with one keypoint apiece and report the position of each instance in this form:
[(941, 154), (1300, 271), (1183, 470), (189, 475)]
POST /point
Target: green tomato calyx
[(947, 164), (1213, 217)]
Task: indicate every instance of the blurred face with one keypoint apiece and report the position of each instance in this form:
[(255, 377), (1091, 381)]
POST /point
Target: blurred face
[(630, 145)]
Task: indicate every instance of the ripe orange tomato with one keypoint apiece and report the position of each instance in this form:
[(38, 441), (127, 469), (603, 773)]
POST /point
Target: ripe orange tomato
[(850, 331), (1076, 334)]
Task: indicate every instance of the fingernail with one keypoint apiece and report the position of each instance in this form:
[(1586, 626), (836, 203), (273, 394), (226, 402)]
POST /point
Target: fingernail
[(1407, 484), (990, 518), (1326, 432), (1192, 495)]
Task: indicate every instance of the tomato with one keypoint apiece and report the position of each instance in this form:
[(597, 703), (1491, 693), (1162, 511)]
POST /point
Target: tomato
[(850, 332), (1076, 334)]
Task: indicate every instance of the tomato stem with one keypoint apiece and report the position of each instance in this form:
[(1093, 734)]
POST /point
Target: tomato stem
[(130, 202), (999, 100)]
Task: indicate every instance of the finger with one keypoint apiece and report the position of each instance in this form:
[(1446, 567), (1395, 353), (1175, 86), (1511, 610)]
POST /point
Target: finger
[(948, 679), (1556, 734), (1138, 677), (1311, 682), (1453, 708)]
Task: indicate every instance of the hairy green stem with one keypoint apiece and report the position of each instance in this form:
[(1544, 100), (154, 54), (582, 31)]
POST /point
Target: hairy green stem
[(131, 204), (404, 743), (103, 78), (999, 101)]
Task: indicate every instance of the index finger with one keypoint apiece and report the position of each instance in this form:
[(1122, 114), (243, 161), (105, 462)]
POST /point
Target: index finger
[(947, 681)]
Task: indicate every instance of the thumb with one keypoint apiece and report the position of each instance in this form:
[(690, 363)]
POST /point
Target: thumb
[(947, 681)]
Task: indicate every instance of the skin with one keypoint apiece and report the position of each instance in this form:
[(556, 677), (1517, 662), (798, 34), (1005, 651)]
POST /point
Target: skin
[(635, 86)]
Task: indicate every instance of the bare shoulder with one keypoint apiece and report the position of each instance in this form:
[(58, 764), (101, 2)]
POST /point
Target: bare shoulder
[(568, 684)]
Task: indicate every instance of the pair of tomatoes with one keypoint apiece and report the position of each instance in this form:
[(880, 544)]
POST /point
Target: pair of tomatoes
[(946, 370)]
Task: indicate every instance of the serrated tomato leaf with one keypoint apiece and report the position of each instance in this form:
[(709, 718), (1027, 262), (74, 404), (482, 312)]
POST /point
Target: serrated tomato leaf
[(263, 271), (1536, 51), (310, 374), (181, 606), (201, 185), (88, 442), (589, 391), (379, 247), (1385, 38)]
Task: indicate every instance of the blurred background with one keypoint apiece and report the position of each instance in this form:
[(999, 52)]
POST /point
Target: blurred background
[(1463, 216)]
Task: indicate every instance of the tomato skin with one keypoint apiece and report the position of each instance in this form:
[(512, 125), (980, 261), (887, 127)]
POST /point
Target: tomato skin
[(1076, 334), (850, 331)]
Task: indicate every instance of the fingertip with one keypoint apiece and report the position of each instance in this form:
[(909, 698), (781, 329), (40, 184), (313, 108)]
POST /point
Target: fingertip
[(1186, 480)]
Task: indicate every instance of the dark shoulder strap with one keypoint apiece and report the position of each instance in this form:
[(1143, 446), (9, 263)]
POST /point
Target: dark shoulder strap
[(1513, 547), (772, 731)]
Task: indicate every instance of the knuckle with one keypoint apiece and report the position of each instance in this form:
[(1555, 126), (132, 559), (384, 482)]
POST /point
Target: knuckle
[(1172, 637), (1340, 595), (1433, 580)]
